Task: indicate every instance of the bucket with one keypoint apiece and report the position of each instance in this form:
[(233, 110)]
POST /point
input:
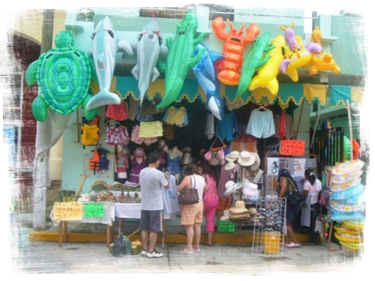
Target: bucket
[(20, 242), (271, 242)]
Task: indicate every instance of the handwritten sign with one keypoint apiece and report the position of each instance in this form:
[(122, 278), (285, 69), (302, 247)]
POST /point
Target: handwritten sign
[(292, 147), (67, 211), (93, 210)]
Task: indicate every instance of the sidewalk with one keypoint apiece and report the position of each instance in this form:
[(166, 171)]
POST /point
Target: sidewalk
[(222, 259)]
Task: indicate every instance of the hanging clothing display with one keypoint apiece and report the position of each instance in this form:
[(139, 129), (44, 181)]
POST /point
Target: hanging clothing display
[(122, 162), (284, 126), (117, 112), (138, 140), (170, 199), (151, 129), (136, 169), (173, 167), (176, 116), (210, 126), (261, 124), (117, 134), (225, 176), (227, 128)]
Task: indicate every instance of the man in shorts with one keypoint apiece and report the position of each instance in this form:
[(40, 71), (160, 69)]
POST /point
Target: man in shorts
[(152, 182)]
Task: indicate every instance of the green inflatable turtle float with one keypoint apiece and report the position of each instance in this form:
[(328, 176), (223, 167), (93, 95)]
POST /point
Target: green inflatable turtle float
[(63, 75)]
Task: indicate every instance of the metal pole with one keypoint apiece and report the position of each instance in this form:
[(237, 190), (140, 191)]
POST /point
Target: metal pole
[(41, 177)]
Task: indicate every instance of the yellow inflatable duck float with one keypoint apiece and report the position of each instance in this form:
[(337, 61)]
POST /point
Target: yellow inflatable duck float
[(267, 74), (323, 62)]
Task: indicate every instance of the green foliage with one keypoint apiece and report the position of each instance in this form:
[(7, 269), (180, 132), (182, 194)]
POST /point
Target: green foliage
[(86, 13)]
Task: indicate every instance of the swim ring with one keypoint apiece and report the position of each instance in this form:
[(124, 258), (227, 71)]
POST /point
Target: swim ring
[(352, 246), (342, 216), (347, 167), (344, 237), (356, 200), (347, 193)]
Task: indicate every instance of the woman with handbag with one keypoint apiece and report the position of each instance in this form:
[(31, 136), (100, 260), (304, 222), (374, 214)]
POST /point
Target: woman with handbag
[(285, 187), (192, 213), (210, 198), (312, 187)]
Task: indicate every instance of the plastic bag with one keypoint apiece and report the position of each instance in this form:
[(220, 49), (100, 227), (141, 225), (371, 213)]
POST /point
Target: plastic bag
[(119, 246)]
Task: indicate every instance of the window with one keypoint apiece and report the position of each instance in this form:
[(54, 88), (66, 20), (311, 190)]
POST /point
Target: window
[(219, 7), (11, 90)]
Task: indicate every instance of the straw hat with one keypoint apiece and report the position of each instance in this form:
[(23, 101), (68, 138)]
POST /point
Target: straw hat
[(238, 208), (241, 216), (232, 156), (246, 158), (139, 152), (253, 211), (256, 164)]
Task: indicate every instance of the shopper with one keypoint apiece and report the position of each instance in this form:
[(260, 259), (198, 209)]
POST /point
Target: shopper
[(311, 189), (192, 214), (210, 198), (152, 181), (291, 211)]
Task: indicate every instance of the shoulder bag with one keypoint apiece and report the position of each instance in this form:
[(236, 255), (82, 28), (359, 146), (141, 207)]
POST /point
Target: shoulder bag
[(294, 196), (189, 195)]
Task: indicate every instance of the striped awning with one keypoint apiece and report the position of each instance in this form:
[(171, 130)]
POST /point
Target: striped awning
[(294, 92)]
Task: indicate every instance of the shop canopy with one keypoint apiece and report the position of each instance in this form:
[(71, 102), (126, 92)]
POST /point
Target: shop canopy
[(295, 92)]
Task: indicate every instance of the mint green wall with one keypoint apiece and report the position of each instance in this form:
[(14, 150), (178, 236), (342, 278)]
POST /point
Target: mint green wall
[(349, 50), (344, 122)]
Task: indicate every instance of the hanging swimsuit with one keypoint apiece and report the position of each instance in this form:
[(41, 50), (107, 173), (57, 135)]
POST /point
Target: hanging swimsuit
[(173, 165), (136, 139), (136, 169), (118, 112), (117, 134), (122, 161), (176, 116)]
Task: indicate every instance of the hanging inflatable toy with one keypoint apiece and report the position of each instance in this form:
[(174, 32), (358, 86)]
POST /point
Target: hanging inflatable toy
[(104, 49), (253, 61), (296, 54), (180, 58), (229, 69), (267, 74), (323, 62), (63, 75), (316, 36), (148, 48), (206, 75)]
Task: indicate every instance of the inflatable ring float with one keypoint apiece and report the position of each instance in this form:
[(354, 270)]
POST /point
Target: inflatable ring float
[(342, 216), (340, 206), (345, 230), (335, 187), (347, 193), (347, 167), (358, 226), (352, 246), (344, 237), (359, 199), (344, 178)]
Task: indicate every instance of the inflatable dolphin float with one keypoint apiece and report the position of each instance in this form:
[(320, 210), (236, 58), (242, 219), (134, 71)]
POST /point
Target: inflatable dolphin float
[(148, 48), (206, 75), (104, 49)]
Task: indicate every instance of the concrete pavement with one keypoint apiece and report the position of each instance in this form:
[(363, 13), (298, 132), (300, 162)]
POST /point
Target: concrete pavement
[(220, 262)]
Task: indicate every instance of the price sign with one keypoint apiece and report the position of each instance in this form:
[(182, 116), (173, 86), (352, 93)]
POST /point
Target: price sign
[(93, 210), (67, 211), (292, 147)]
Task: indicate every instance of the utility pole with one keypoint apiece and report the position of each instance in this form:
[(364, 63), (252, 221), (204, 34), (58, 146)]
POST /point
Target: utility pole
[(41, 170)]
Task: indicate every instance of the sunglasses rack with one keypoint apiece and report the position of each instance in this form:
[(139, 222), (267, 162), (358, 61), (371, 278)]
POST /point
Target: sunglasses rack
[(269, 222)]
